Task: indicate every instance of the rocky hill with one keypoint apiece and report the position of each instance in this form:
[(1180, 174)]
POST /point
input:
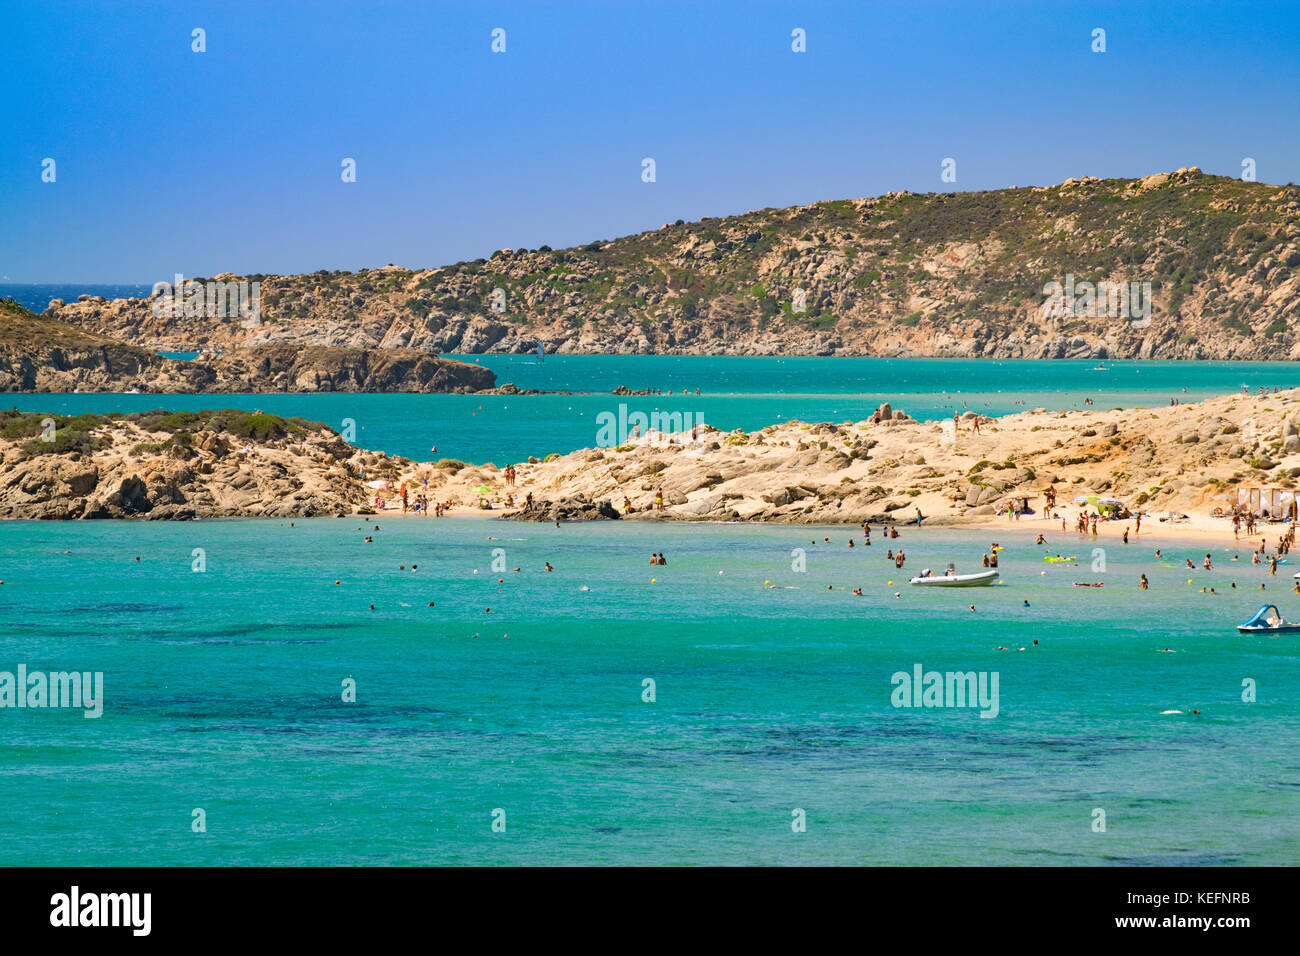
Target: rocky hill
[(45, 354), (941, 274)]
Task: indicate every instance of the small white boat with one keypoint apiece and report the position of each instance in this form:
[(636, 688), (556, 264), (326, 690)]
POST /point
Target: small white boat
[(951, 579), (1268, 620)]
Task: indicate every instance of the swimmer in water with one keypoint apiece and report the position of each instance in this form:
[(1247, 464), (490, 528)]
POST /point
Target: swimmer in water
[(1143, 582), (548, 566), (1158, 554)]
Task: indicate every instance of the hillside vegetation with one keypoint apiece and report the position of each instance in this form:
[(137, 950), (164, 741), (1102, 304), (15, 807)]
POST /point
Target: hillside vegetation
[(943, 274)]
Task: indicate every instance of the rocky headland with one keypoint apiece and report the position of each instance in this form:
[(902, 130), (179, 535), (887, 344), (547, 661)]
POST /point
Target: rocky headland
[(1181, 458), (39, 353), (956, 274)]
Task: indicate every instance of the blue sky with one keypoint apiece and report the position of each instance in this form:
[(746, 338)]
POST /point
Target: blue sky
[(229, 160)]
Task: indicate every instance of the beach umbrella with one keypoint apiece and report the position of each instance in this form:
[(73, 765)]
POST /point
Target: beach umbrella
[(483, 489), (378, 485), (1110, 502)]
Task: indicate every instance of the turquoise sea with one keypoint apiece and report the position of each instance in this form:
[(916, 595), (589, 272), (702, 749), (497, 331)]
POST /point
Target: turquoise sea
[(223, 688), (744, 393), (223, 691)]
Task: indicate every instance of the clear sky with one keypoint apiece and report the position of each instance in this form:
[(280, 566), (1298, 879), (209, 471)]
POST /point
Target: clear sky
[(172, 161)]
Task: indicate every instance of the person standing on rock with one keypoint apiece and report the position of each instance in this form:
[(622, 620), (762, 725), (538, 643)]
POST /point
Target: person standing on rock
[(659, 500)]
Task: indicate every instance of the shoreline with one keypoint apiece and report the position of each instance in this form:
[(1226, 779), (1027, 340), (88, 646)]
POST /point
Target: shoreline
[(1192, 459), (1202, 530)]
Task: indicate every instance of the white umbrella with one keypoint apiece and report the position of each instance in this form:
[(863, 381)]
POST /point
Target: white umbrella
[(378, 485), (1112, 502)]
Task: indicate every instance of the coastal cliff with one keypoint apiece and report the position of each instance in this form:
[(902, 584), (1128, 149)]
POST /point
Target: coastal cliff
[(959, 274), (43, 354)]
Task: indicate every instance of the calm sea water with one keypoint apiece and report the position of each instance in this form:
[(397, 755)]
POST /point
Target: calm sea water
[(735, 393), (36, 297), (223, 692), (223, 688)]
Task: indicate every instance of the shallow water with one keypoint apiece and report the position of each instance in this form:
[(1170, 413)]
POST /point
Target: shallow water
[(223, 692)]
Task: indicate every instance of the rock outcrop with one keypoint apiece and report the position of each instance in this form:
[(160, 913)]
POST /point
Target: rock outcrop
[(43, 354), (180, 465), (577, 508), (1167, 458)]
